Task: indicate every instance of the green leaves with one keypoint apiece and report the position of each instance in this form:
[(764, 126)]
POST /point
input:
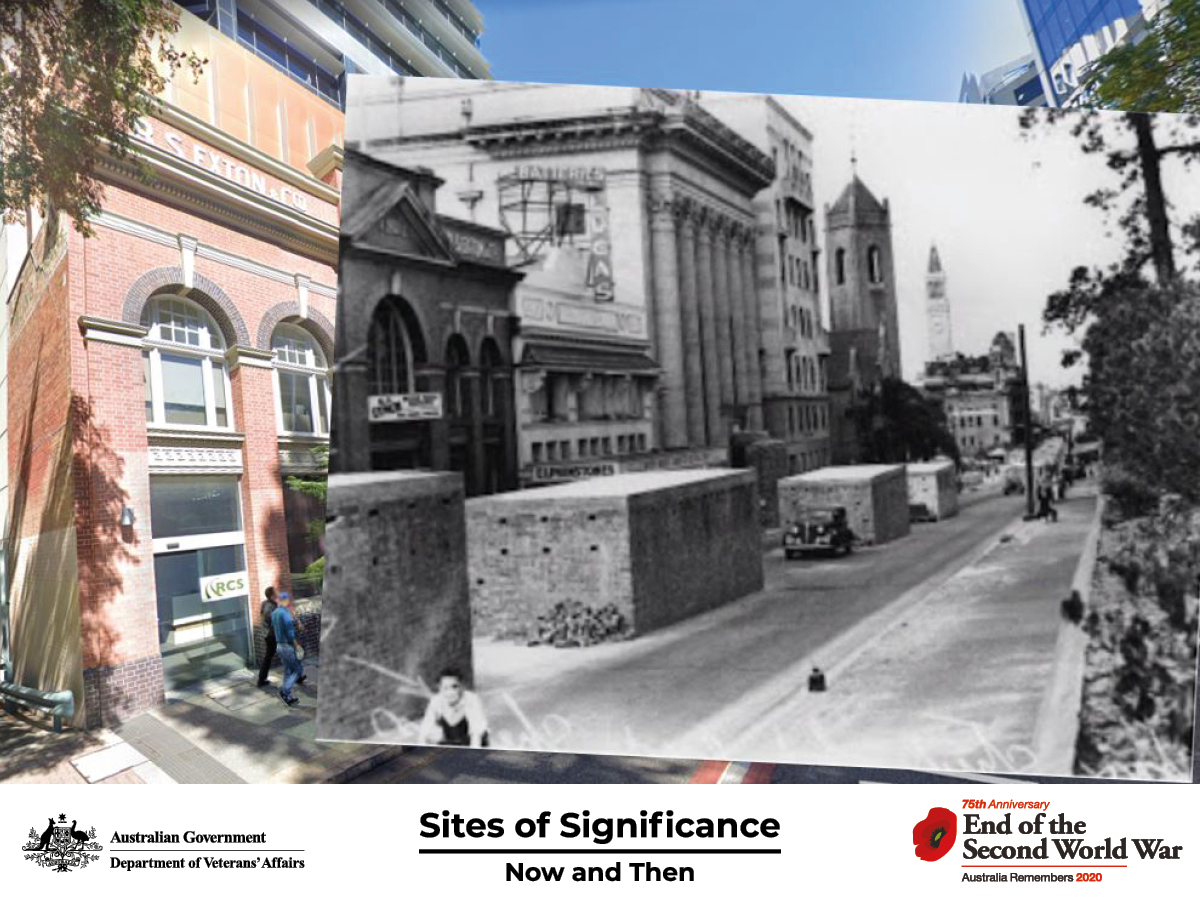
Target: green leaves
[(1159, 74), (75, 75)]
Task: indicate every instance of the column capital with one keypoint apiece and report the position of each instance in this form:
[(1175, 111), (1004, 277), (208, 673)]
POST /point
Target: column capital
[(663, 204)]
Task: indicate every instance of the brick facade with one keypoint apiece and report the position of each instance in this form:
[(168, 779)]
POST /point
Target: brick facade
[(399, 607), (85, 607), (661, 547)]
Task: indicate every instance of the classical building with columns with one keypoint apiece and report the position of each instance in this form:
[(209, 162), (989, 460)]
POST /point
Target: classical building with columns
[(168, 370), (793, 343), (631, 214)]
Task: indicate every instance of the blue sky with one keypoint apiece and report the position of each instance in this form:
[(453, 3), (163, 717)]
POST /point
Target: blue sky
[(894, 49)]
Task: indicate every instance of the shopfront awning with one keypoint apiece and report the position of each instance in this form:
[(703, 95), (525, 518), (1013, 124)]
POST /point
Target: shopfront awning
[(558, 358)]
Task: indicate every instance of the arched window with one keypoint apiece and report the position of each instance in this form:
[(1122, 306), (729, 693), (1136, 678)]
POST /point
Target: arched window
[(839, 265), (301, 381), (457, 360), (389, 352), (491, 384), (187, 383), (875, 265)]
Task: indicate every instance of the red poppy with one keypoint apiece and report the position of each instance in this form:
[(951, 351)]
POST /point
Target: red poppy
[(934, 835)]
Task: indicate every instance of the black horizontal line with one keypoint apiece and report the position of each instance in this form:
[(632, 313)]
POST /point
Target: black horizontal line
[(591, 850), (202, 850)]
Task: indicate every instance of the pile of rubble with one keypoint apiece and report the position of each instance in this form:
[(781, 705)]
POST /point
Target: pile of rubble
[(574, 624), (1140, 679)]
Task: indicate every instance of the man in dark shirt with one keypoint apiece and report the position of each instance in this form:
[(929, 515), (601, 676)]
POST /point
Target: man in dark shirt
[(284, 625), (264, 612)]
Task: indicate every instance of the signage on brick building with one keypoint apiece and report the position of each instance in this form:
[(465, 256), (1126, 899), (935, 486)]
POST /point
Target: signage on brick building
[(221, 587), (226, 167), (403, 407)]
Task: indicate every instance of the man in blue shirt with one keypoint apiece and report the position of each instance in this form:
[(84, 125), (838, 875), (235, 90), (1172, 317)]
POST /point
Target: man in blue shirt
[(283, 623)]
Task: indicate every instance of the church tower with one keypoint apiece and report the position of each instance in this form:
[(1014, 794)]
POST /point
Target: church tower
[(864, 332), (937, 309), (862, 284)]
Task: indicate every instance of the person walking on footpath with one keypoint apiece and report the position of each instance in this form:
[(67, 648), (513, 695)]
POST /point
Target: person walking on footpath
[(284, 625), (264, 612)]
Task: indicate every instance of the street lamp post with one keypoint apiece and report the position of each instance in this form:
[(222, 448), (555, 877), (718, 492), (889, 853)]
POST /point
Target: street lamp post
[(1027, 416)]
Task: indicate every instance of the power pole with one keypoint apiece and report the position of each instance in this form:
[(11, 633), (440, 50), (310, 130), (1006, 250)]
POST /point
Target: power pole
[(1027, 416)]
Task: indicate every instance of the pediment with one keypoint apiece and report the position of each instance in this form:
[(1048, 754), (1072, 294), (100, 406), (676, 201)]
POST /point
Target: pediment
[(394, 218)]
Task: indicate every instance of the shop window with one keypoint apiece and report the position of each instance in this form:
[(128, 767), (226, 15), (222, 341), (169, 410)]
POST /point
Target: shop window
[(301, 382), (183, 366)]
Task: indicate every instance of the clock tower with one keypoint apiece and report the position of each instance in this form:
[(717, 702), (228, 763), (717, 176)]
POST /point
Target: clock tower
[(937, 309)]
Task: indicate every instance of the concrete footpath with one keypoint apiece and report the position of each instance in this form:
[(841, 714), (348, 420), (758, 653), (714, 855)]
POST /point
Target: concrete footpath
[(231, 732), (959, 681)]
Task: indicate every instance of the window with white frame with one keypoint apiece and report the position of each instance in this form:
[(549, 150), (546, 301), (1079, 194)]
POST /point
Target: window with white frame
[(186, 378), (301, 381)]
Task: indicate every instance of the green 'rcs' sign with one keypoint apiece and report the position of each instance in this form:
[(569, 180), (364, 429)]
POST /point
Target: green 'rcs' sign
[(220, 587)]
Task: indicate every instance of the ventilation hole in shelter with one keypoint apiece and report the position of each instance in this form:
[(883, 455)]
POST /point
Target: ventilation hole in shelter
[(504, 551), (595, 547), (372, 513), (545, 549)]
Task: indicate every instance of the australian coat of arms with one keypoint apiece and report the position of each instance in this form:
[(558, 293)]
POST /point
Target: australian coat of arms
[(62, 847)]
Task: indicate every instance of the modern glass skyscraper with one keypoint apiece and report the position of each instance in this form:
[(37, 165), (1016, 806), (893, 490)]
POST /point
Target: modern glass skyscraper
[(1068, 35), (319, 42)]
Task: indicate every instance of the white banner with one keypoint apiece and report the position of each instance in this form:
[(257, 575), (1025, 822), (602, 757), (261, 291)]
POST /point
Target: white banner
[(507, 841), (403, 407)]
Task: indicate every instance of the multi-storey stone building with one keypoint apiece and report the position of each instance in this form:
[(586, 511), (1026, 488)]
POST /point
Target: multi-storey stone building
[(793, 343), (631, 213)]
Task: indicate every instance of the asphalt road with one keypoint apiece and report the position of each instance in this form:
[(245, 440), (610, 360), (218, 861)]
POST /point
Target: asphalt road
[(638, 697)]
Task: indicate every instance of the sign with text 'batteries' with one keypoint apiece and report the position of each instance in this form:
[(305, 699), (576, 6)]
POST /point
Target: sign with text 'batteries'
[(220, 587)]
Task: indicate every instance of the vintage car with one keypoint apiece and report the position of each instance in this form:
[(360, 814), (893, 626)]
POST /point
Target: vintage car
[(818, 529), (920, 512)]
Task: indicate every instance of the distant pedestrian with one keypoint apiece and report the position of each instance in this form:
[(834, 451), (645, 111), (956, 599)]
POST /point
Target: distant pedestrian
[(284, 625), (1046, 508), (454, 716), (264, 613)]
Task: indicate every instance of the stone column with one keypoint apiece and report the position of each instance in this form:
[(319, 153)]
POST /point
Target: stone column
[(724, 312), (432, 379), (668, 325), (747, 263), (708, 331), (350, 437), (693, 359), (737, 301)]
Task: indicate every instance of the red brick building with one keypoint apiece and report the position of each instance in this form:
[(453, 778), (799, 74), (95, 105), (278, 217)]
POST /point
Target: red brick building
[(167, 373)]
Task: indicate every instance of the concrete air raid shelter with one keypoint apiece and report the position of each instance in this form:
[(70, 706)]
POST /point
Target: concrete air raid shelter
[(424, 334)]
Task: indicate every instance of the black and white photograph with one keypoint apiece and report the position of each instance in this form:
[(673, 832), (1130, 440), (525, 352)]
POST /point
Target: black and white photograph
[(765, 427)]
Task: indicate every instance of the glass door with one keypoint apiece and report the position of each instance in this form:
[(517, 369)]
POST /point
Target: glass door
[(196, 523)]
